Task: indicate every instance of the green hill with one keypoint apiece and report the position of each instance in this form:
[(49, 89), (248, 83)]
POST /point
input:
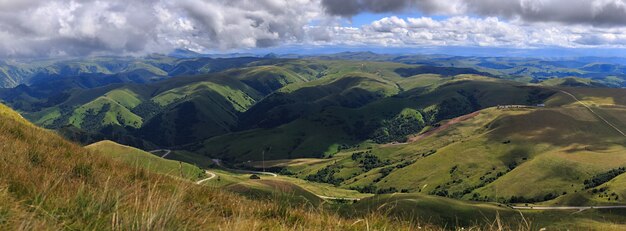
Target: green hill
[(150, 162), (440, 144), (455, 213), (49, 183), (268, 189), (312, 129), (506, 155), (572, 82)]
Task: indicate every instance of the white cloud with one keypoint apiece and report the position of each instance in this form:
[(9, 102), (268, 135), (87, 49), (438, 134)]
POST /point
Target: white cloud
[(92, 27), (73, 27), (468, 31)]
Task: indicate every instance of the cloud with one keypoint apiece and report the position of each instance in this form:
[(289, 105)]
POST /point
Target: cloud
[(87, 27), (591, 12), (474, 32), (134, 27)]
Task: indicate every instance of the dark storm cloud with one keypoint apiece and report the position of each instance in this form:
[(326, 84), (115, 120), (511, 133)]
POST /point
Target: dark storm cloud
[(352, 7), (592, 12)]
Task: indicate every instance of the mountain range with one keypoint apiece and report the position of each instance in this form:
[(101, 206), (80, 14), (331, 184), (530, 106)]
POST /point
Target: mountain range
[(444, 129)]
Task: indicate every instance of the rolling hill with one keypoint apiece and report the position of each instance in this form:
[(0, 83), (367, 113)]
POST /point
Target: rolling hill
[(145, 160), (509, 155), (50, 183), (394, 114), (435, 139)]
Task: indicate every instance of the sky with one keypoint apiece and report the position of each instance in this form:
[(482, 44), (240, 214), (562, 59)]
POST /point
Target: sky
[(37, 28)]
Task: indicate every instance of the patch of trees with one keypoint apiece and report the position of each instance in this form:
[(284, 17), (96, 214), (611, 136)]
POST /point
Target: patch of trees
[(484, 180), (450, 108), (326, 175), (147, 109), (398, 128), (453, 169), (428, 153), (603, 177), (522, 199), (66, 113), (443, 71), (369, 161), (255, 177), (600, 190), (405, 163), (604, 193), (537, 96), (518, 199), (387, 190), (440, 191), (471, 98), (384, 172), (457, 106), (371, 188), (348, 146), (92, 120)]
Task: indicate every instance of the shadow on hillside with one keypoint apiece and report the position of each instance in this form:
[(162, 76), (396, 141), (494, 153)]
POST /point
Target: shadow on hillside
[(317, 133), (281, 108), (555, 128)]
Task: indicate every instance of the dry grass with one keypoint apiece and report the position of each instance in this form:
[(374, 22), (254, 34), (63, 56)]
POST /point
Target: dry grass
[(47, 183)]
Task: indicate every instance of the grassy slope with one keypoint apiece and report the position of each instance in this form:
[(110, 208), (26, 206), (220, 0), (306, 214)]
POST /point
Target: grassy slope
[(455, 213), (571, 82), (326, 126), (548, 149), (273, 188), (49, 184), (141, 159), (114, 114)]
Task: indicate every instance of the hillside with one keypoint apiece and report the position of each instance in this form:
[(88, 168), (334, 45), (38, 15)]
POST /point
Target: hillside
[(100, 71), (145, 160), (49, 183), (183, 110), (378, 121), (314, 128), (198, 99), (513, 155)]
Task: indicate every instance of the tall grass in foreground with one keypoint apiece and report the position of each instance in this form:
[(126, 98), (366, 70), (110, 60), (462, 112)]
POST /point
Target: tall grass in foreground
[(47, 183)]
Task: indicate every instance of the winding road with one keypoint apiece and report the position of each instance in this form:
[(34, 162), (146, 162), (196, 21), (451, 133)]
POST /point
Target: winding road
[(211, 176), (337, 198), (591, 110), (167, 152), (218, 162), (579, 208)]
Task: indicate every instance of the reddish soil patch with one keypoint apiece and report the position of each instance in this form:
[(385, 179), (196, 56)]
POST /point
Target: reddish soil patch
[(438, 129), (443, 127)]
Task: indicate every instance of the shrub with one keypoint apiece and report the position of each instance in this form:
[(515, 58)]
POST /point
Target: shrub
[(603, 177)]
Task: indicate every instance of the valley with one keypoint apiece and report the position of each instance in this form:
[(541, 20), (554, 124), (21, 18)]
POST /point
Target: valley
[(451, 145), (277, 115)]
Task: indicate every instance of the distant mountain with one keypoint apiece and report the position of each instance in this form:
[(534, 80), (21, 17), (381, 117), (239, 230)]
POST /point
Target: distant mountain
[(100, 71)]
